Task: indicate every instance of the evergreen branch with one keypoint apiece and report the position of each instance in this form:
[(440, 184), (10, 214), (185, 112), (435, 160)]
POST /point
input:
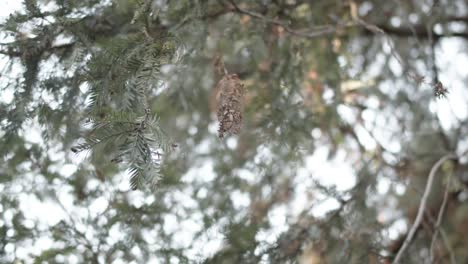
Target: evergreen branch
[(51, 49), (138, 149), (135, 177), (10, 53), (95, 142)]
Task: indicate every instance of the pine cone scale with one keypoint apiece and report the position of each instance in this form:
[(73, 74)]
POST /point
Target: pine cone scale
[(230, 104)]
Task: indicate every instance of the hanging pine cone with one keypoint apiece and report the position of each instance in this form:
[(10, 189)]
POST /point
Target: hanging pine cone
[(230, 104)]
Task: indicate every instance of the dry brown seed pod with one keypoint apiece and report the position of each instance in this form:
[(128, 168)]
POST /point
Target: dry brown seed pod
[(230, 99), (439, 90)]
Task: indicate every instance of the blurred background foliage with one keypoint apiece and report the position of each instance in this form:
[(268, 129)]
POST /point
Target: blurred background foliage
[(101, 96)]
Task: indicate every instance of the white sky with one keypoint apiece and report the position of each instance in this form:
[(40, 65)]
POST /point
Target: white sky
[(9, 6)]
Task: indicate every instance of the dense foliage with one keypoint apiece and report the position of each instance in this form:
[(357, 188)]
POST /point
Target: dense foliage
[(225, 131)]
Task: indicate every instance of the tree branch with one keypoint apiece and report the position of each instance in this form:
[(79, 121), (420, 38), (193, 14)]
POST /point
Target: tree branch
[(422, 206), (417, 31), (313, 32)]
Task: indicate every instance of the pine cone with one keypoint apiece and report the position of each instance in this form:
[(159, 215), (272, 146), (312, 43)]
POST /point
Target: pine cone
[(230, 104)]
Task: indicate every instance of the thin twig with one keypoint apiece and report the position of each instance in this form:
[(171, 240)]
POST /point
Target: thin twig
[(376, 30), (86, 242), (439, 228), (447, 245), (422, 206), (439, 219), (315, 32)]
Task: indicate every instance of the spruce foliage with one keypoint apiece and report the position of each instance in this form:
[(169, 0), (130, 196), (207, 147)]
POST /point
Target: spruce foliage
[(233, 131)]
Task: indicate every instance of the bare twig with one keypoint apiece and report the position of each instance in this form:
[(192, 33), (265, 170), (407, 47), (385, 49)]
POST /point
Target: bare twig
[(439, 228), (447, 245), (376, 30), (422, 206), (439, 221)]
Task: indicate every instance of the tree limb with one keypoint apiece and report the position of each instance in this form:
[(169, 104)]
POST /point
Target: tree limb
[(314, 32)]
